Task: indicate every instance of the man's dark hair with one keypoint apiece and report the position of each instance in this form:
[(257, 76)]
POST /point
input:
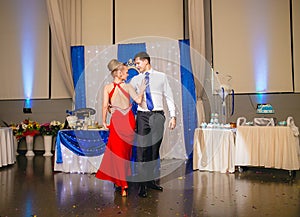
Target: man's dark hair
[(142, 55)]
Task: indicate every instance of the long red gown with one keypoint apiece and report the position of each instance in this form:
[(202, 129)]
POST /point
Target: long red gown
[(115, 165)]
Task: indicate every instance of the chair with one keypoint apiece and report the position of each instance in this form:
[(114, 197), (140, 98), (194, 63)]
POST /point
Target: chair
[(241, 121), (290, 123), (264, 122)]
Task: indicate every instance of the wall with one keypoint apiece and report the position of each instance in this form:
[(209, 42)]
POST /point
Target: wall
[(296, 43), (97, 23), (24, 54), (106, 23), (252, 42)]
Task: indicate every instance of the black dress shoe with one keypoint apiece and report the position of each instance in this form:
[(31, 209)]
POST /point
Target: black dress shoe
[(155, 186), (142, 191)]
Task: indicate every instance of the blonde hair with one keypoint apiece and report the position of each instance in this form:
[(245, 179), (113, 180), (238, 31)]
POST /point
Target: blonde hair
[(116, 70)]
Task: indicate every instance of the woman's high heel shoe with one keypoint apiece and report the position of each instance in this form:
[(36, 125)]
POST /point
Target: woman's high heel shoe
[(124, 192)]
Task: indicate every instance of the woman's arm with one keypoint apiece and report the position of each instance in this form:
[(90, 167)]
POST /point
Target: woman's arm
[(105, 105), (138, 98)]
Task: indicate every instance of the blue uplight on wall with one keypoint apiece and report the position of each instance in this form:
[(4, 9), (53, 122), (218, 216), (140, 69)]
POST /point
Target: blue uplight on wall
[(261, 74), (27, 65), (260, 98), (27, 68), (260, 58), (260, 55), (28, 47), (28, 43), (260, 67)]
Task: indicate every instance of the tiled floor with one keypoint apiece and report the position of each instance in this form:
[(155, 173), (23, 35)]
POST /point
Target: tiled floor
[(31, 188)]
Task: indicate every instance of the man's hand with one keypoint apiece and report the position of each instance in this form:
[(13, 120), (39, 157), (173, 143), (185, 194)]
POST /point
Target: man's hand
[(172, 123)]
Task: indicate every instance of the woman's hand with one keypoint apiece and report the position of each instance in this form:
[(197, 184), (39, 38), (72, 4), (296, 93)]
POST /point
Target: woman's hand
[(105, 125), (142, 86)]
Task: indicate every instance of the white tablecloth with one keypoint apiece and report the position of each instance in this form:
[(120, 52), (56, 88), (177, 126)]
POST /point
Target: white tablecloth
[(79, 151), (214, 150), (272, 147), (73, 163), (7, 151)]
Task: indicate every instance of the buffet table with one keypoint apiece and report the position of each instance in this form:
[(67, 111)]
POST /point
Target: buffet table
[(271, 147), (7, 151), (214, 150), (79, 151)]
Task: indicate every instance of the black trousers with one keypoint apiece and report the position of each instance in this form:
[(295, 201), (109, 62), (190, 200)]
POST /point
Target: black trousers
[(150, 131)]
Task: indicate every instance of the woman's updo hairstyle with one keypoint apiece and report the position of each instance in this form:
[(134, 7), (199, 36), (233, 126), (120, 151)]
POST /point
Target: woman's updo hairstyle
[(113, 66)]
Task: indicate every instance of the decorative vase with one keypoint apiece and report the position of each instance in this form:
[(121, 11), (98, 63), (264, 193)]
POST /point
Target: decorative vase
[(29, 145), (47, 145), (16, 145)]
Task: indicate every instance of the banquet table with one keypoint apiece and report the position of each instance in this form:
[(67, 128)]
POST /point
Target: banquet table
[(7, 150), (214, 150), (79, 151), (267, 146)]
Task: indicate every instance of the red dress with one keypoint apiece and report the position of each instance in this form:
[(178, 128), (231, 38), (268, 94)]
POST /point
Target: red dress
[(115, 165)]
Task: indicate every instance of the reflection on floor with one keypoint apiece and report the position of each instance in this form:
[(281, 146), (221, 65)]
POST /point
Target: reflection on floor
[(31, 188)]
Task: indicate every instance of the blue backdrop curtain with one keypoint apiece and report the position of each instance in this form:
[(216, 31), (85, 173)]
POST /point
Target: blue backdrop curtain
[(128, 51), (78, 64), (189, 111)]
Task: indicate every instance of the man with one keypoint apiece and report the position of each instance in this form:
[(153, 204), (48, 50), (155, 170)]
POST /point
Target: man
[(150, 121)]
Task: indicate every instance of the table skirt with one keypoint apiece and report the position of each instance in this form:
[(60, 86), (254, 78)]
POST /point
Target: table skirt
[(214, 150), (271, 147), (7, 150), (79, 151), (74, 163)]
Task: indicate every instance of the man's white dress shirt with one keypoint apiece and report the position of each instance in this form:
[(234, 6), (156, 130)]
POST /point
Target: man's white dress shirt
[(159, 87)]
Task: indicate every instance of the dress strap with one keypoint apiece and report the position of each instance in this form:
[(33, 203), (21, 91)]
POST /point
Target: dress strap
[(119, 86)]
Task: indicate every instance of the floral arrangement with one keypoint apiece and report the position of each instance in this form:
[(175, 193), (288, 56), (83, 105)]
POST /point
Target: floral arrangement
[(51, 128), (16, 128), (25, 128)]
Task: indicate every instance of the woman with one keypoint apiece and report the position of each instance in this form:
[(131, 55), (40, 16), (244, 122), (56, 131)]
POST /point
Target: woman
[(115, 165)]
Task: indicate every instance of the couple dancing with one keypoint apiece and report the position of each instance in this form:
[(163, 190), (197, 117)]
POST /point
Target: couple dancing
[(149, 124)]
